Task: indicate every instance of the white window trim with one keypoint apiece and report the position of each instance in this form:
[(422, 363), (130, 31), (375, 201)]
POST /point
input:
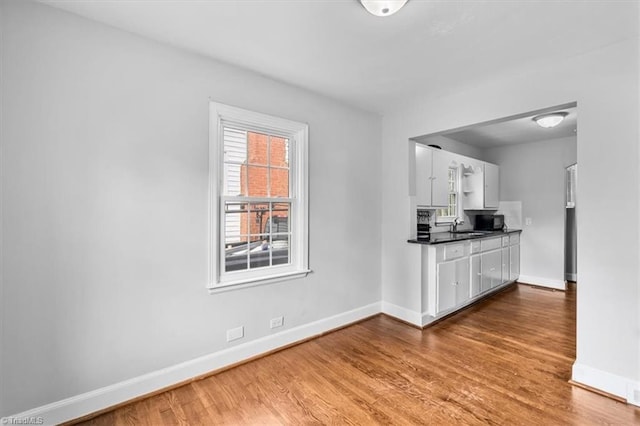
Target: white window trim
[(299, 244)]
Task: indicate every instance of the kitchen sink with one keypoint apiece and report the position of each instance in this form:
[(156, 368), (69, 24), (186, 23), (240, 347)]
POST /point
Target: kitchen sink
[(469, 233)]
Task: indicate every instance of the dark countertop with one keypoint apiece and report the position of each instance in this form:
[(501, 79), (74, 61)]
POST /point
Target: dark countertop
[(448, 237)]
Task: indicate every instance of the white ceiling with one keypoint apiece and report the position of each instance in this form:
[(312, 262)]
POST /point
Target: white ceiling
[(334, 47), (513, 131)]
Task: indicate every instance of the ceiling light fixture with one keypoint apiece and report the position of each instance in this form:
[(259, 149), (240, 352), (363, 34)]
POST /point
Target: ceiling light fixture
[(383, 7), (550, 120)]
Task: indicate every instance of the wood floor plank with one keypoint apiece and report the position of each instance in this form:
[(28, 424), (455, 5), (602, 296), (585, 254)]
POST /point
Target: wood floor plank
[(506, 360)]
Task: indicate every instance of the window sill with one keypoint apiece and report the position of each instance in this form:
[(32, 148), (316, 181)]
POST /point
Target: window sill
[(252, 282)]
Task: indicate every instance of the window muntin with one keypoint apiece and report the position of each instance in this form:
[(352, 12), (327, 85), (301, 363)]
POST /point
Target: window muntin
[(259, 197)]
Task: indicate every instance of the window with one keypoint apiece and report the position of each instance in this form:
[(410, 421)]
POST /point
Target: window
[(258, 179), (452, 212)]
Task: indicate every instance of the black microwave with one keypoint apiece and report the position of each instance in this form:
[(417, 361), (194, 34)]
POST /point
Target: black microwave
[(489, 222)]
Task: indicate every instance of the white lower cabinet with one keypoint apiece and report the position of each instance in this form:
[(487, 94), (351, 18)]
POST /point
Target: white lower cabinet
[(491, 268), (505, 265), (514, 262), (452, 284), (460, 272), (476, 274)]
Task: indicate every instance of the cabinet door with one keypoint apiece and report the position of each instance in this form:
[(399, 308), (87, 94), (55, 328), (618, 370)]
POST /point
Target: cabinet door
[(514, 262), (485, 272), (491, 185), (475, 275), (440, 180), (446, 277), (423, 175), (491, 269), (496, 269), (462, 280), (505, 265)]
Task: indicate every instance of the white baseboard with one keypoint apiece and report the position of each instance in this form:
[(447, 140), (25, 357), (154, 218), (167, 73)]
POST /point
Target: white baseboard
[(401, 313), (607, 382), (99, 399), (543, 282)]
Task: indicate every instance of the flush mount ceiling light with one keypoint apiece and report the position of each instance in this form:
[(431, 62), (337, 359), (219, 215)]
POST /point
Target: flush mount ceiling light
[(383, 7), (550, 120)]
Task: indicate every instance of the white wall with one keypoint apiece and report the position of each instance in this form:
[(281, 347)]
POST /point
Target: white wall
[(104, 194), (534, 173), (604, 83)]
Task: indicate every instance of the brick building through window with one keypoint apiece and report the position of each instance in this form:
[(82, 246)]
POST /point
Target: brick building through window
[(265, 173)]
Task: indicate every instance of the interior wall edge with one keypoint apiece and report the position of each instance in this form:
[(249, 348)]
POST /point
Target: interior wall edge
[(605, 381)]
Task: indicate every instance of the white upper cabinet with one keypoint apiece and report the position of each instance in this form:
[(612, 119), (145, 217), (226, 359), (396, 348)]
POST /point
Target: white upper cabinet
[(432, 175), (440, 179), (479, 186), (424, 157), (491, 186)]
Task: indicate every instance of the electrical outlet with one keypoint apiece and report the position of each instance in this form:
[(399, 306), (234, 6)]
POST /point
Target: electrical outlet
[(276, 322), (235, 333), (528, 221)]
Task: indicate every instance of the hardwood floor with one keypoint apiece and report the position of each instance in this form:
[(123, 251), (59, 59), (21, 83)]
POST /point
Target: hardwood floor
[(506, 360)]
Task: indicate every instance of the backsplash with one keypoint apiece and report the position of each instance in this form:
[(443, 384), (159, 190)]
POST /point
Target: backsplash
[(510, 209)]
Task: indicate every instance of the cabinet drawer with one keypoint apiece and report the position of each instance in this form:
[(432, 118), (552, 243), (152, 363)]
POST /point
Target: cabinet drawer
[(505, 241), (514, 239), (475, 246), (491, 244), (453, 251)]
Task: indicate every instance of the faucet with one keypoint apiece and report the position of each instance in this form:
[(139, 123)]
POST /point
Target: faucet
[(454, 225)]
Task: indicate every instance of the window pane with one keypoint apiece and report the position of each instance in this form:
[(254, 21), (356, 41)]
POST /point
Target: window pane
[(233, 179), (257, 181), (279, 182), (258, 218), (279, 221), (257, 148), (235, 145), (279, 152), (235, 154), (235, 256), (235, 222), (280, 250), (260, 253)]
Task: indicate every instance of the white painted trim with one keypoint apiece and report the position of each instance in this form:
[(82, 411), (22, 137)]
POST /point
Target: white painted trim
[(427, 318), (108, 396), (543, 282), (236, 285), (605, 381), (401, 313)]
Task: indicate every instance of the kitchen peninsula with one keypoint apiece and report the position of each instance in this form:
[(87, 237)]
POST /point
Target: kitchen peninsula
[(458, 269)]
